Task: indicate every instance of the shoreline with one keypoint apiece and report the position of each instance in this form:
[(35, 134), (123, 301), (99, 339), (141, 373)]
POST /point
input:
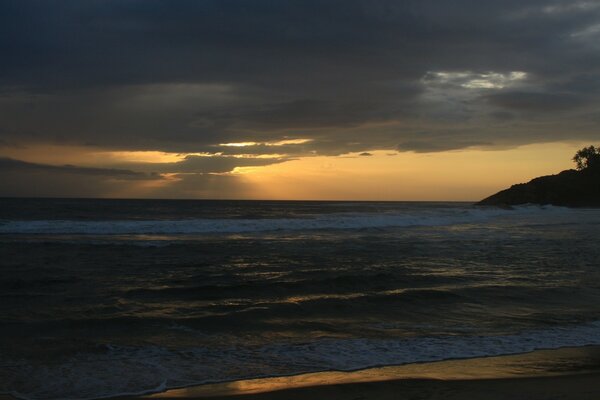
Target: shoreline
[(538, 373), (569, 373)]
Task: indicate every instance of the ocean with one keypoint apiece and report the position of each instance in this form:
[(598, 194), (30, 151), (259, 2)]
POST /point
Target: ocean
[(101, 298)]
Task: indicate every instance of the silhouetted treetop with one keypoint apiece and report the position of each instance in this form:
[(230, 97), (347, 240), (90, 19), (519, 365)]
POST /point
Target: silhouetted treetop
[(588, 157)]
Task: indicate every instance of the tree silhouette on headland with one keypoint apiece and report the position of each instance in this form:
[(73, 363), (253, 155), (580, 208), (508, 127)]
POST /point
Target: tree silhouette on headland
[(568, 188), (587, 158)]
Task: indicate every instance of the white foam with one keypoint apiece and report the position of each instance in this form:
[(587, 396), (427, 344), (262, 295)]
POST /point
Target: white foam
[(131, 370), (427, 217)]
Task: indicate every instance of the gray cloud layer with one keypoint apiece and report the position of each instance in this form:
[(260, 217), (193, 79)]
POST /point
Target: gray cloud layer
[(20, 178), (352, 75), (11, 165)]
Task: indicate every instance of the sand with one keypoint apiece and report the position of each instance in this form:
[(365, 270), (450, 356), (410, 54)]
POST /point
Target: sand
[(576, 387), (572, 373)]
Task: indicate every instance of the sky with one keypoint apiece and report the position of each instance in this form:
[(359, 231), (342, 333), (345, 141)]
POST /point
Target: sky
[(290, 99)]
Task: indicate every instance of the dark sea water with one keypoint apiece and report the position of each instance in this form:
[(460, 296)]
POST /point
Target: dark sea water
[(104, 297)]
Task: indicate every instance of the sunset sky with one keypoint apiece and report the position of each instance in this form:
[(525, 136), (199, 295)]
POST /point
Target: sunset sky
[(311, 99)]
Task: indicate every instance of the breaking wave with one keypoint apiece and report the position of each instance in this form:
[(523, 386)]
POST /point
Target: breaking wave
[(153, 369), (436, 217)]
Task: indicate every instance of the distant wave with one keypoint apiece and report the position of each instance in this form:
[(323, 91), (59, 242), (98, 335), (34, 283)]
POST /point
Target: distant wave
[(435, 217), (100, 374)]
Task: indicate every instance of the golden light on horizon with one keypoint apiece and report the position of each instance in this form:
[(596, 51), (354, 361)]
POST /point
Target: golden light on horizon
[(153, 157), (468, 174), (239, 144), (288, 141), (464, 175), (277, 143), (87, 156)]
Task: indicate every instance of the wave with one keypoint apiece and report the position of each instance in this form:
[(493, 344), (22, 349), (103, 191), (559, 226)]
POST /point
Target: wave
[(433, 217), (270, 289), (152, 368)]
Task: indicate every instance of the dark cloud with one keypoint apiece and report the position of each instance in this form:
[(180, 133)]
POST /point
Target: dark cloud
[(439, 145), (205, 164), (502, 115), (8, 164), (218, 164), (21, 178), (298, 114), (4, 143), (352, 75), (536, 102)]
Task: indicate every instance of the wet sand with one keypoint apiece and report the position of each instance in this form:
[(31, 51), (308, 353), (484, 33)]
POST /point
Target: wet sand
[(575, 387), (572, 373), (563, 374)]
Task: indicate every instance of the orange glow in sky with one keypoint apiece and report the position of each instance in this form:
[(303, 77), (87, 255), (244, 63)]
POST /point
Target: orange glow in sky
[(461, 175), (453, 175)]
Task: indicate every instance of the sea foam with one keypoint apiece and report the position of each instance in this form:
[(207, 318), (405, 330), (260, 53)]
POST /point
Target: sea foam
[(153, 368), (435, 217)]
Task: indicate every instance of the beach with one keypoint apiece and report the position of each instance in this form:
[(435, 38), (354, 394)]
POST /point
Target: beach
[(576, 387), (569, 373), (560, 374)]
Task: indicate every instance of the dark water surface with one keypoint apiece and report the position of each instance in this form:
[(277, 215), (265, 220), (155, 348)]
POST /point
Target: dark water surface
[(102, 297)]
